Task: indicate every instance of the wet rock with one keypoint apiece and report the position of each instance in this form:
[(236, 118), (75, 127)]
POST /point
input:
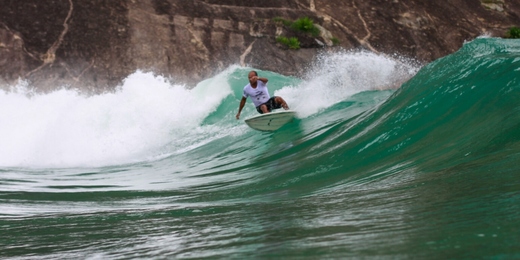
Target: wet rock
[(95, 44)]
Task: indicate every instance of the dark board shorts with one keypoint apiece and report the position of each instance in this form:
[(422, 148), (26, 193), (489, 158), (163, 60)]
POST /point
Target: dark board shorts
[(271, 104)]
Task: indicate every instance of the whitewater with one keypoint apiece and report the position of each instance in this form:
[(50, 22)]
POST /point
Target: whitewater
[(149, 117), (385, 159)]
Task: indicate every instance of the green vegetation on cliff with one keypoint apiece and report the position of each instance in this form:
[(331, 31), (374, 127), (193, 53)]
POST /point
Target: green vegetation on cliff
[(305, 25), (305, 30), (513, 33), (335, 40), (283, 21), (292, 43)]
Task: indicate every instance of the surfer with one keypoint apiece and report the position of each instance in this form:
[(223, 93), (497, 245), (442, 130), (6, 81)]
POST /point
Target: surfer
[(257, 90)]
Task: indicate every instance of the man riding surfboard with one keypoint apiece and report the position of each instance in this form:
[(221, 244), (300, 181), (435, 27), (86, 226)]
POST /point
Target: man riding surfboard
[(257, 90)]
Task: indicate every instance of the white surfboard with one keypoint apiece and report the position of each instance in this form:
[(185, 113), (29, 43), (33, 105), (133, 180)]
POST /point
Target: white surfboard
[(270, 121)]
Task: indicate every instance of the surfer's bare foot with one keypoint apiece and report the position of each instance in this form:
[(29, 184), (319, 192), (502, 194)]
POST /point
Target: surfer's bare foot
[(285, 106)]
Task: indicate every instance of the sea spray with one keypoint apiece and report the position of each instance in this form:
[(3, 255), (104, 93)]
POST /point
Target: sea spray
[(65, 128), (148, 117), (333, 77)]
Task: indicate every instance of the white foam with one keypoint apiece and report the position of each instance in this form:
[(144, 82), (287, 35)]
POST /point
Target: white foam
[(66, 129), (335, 77), (148, 117)]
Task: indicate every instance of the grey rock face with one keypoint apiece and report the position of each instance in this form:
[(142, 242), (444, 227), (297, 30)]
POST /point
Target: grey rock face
[(94, 44)]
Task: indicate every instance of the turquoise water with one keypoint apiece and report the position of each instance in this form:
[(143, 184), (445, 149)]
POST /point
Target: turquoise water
[(369, 168)]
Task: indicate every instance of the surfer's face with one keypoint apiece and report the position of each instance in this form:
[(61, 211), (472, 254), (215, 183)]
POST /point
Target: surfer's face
[(252, 77)]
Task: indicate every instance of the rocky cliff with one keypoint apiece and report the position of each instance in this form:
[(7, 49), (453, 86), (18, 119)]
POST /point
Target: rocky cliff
[(96, 43)]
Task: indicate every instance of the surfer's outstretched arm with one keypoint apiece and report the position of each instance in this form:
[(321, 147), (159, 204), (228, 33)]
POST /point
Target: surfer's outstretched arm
[(242, 103)]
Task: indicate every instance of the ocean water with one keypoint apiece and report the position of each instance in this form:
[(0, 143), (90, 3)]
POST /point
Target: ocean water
[(385, 159)]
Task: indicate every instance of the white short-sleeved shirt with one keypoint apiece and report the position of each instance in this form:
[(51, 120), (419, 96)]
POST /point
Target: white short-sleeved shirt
[(259, 95)]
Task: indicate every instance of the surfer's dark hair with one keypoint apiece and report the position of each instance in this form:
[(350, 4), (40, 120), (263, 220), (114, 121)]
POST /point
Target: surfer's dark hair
[(256, 74)]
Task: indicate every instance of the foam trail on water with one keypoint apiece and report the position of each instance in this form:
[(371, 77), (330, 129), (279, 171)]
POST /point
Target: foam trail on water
[(334, 77), (66, 129)]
